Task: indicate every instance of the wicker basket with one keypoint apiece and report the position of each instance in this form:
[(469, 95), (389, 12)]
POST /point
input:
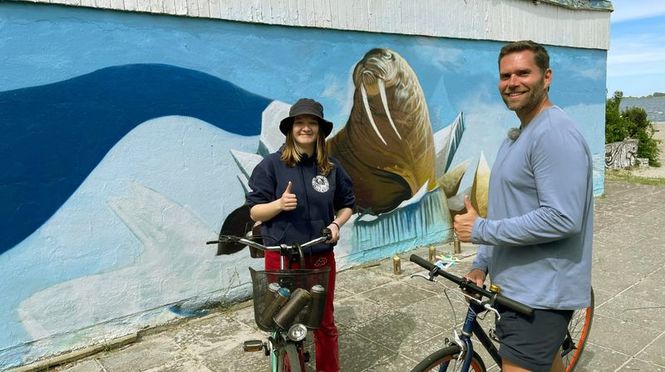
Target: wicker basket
[(310, 315)]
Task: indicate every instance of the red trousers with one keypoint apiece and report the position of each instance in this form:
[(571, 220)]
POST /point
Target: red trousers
[(325, 338)]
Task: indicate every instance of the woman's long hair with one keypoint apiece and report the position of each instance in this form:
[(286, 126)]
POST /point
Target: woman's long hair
[(292, 154)]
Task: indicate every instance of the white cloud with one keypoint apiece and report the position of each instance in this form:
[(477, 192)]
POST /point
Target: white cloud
[(636, 55), (626, 10)]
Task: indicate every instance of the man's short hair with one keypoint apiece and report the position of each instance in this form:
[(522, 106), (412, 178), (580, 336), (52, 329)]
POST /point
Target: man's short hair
[(541, 57)]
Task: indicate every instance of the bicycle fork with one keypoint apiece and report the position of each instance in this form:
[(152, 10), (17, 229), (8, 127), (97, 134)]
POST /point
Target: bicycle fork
[(464, 341), (471, 326)]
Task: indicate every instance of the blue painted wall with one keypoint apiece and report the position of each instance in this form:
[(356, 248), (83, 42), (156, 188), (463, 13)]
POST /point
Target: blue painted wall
[(115, 159)]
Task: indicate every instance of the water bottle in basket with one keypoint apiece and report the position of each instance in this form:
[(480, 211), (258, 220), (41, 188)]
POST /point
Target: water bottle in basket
[(270, 295), (318, 293), (299, 299), (280, 298)]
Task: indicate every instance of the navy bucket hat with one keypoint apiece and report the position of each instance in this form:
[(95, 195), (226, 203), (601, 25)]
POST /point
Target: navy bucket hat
[(306, 106)]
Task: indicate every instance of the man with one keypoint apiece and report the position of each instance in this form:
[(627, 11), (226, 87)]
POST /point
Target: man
[(535, 243)]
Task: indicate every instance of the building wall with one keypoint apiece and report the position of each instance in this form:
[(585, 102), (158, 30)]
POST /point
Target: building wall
[(128, 138), (575, 23)]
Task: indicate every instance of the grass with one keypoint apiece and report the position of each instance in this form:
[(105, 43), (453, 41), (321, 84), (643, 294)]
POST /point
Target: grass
[(627, 176)]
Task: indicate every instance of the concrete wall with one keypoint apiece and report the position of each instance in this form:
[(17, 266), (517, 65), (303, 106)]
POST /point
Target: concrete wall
[(128, 138)]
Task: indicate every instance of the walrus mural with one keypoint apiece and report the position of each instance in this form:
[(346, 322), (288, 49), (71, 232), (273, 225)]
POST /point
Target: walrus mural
[(386, 145), (388, 148)]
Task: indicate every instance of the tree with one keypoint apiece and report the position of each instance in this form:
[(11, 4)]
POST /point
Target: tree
[(615, 126), (631, 123)]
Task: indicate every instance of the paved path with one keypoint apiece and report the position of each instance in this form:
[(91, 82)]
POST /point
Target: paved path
[(389, 322)]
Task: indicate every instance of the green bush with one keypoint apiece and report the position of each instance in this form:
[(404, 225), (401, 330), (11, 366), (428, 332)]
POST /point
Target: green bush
[(631, 123)]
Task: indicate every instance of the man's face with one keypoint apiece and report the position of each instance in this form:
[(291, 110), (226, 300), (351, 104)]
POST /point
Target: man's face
[(521, 83)]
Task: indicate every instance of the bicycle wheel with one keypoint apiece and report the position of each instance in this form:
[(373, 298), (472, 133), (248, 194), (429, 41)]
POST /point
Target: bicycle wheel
[(446, 359), (578, 334)]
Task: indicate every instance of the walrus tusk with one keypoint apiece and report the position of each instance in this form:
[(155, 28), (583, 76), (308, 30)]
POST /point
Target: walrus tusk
[(384, 100), (369, 113)]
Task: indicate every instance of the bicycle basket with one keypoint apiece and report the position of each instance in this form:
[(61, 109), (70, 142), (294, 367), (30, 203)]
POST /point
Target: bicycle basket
[(306, 306)]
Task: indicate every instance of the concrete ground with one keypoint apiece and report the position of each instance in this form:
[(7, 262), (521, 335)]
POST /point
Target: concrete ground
[(390, 322)]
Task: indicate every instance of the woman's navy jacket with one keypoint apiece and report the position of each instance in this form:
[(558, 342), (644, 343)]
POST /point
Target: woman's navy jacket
[(319, 197)]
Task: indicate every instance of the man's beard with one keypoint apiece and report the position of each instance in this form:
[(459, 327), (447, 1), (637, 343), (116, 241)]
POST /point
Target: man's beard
[(535, 97)]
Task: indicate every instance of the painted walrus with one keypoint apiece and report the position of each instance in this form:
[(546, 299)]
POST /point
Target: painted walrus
[(387, 145)]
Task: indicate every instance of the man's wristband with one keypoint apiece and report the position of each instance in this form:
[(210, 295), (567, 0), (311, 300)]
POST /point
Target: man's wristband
[(335, 223)]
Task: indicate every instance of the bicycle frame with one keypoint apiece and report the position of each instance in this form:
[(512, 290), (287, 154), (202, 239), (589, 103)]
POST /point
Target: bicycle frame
[(461, 350), (472, 327), (475, 307)]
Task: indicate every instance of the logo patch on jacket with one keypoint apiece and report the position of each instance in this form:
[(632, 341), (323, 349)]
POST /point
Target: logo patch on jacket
[(320, 183)]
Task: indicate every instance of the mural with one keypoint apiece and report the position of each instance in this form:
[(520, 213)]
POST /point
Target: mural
[(388, 167), (122, 158)]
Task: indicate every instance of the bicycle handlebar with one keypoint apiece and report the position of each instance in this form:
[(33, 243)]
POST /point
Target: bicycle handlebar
[(325, 235), (469, 286)]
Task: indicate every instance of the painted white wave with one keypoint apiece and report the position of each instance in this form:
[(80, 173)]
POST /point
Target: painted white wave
[(132, 236)]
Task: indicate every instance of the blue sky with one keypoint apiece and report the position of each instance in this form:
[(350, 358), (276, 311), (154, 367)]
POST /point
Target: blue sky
[(636, 59)]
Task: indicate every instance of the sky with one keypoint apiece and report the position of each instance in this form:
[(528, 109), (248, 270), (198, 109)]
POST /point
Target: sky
[(636, 58)]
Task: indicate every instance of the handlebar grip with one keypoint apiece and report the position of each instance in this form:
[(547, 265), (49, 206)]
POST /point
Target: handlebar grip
[(500, 299), (421, 262), (514, 305), (430, 266)]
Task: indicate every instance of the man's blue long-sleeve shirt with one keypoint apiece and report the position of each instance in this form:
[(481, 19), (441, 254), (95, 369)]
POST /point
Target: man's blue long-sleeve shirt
[(537, 238)]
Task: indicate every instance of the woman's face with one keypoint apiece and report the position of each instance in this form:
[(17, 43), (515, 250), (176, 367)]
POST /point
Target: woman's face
[(305, 131)]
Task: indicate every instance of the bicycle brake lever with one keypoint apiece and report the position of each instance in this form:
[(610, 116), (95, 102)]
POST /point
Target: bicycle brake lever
[(224, 239), (489, 307), (424, 276), (470, 297)]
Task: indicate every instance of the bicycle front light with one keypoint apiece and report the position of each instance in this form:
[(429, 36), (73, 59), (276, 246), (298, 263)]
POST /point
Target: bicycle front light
[(297, 332)]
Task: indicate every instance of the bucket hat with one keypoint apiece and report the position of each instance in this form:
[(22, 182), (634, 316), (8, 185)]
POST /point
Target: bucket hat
[(306, 106)]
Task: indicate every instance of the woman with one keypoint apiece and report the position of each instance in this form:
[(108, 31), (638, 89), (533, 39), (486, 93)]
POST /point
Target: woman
[(296, 192)]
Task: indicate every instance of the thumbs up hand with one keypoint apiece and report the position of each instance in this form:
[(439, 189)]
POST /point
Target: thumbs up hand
[(288, 201), (463, 223)]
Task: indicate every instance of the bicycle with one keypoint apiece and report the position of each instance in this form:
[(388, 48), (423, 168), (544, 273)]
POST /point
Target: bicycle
[(287, 302), (459, 355)]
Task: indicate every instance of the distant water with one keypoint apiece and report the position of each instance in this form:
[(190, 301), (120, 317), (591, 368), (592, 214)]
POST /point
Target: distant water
[(654, 106)]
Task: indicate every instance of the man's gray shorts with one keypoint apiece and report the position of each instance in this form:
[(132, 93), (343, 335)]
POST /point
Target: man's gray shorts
[(530, 342)]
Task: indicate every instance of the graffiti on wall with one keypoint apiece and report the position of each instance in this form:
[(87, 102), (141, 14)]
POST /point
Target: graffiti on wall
[(123, 158), (621, 155)]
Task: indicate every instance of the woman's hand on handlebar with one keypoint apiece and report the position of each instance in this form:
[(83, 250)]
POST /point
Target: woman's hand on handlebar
[(334, 233)]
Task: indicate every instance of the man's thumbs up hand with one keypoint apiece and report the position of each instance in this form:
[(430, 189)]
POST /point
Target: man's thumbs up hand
[(469, 207), (288, 201), (463, 223)]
